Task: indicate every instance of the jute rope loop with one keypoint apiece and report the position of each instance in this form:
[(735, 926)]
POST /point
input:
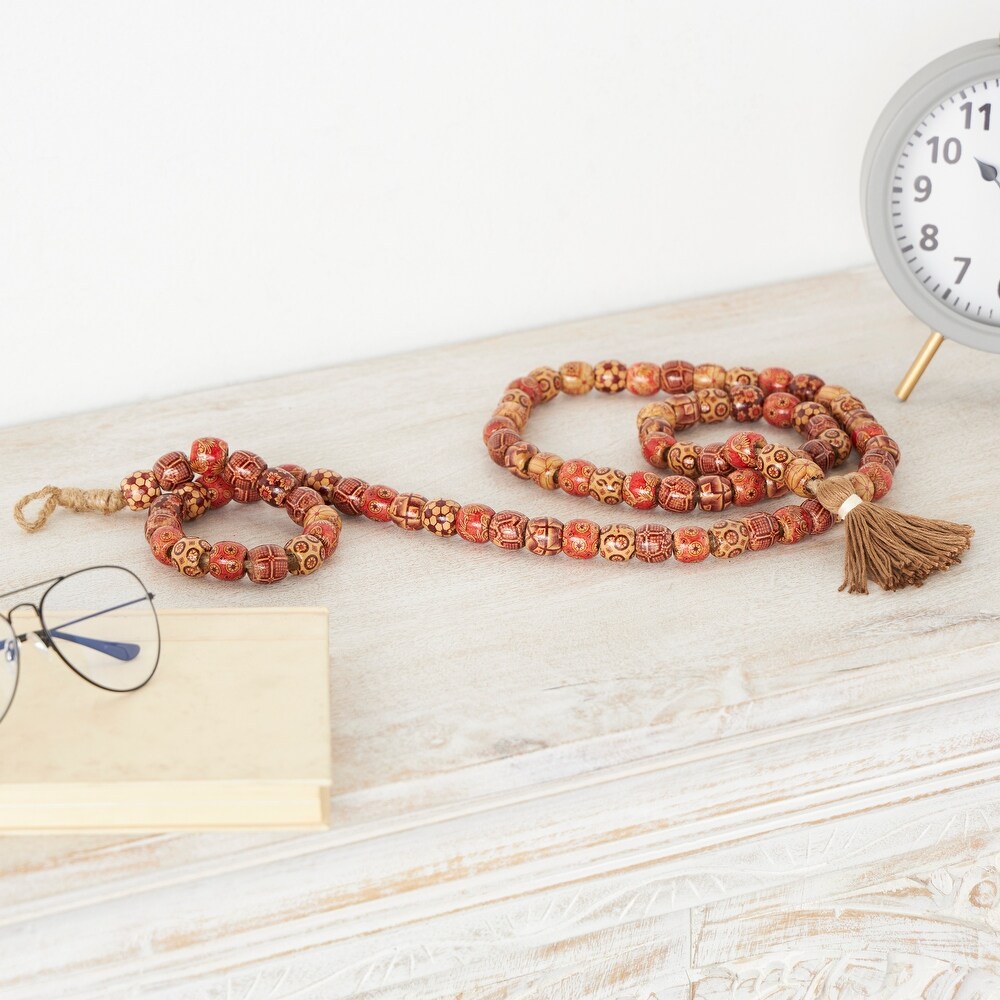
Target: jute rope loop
[(107, 501)]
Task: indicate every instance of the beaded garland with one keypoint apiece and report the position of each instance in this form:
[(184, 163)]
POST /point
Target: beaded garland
[(735, 473)]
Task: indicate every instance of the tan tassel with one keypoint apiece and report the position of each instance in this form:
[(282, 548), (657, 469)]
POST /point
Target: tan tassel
[(106, 501), (895, 550)]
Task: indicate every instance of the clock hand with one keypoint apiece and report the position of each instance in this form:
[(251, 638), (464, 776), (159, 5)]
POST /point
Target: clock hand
[(988, 171)]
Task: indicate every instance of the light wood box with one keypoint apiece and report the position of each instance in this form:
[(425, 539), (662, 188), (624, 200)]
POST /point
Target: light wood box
[(233, 730)]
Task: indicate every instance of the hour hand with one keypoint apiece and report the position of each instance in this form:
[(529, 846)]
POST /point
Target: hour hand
[(988, 171)]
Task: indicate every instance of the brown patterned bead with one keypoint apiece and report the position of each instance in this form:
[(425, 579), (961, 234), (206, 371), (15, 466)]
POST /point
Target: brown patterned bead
[(516, 397), (656, 448), (678, 494), (778, 407), (548, 382), (802, 413), (881, 457), (517, 415), (684, 407), (140, 489), (709, 377), (208, 456), (304, 554), (299, 501), (748, 403), (406, 511), (749, 486), (580, 539), (322, 512), (195, 499), (838, 440), (517, 457), (828, 393), (323, 481), (880, 442), (863, 433), (473, 522), (267, 564), (799, 473), (162, 542), (842, 406), (543, 536), (639, 489), (297, 472), (617, 543), (773, 459), (609, 376), (576, 378), (677, 376), (658, 409), (171, 470), (764, 530), (499, 442), (274, 485), (655, 425), (496, 424), (773, 380), (574, 477), (348, 495), (856, 418), (227, 561), (821, 422), (773, 488), (713, 461), (543, 469), (741, 376), (654, 543), (606, 485), (439, 517), (375, 502), (643, 378), (190, 555), (713, 405), (821, 452), (806, 386), (817, 516), (529, 385), (728, 539), (715, 493), (683, 458), (506, 530), (742, 449), (880, 476), (794, 524), (328, 534), (242, 471), (862, 485), (161, 519), (167, 503), (691, 544)]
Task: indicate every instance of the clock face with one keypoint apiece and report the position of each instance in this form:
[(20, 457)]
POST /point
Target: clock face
[(945, 201)]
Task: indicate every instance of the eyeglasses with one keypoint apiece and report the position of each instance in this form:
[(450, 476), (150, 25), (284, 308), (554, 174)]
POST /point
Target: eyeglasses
[(99, 621)]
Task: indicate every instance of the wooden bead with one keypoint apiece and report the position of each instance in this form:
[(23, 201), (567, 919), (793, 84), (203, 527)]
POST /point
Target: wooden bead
[(748, 403), (548, 382), (499, 442), (774, 488), (799, 473), (328, 534), (677, 376), (162, 541), (794, 524), (473, 522), (683, 406), (713, 405), (822, 453), (517, 457), (741, 376), (574, 477), (643, 378), (323, 481), (297, 472), (862, 485), (802, 413), (742, 449), (678, 494), (439, 517), (691, 544), (348, 494), (778, 407), (274, 485), (580, 539), (880, 476), (639, 490), (715, 493), (609, 376), (820, 423), (805, 386), (375, 502), (298, 502), (881, 457), (655, 425), (773, 460), (772, 380), (828, 393), (529, 385), (194, 499), (140, 489), (218, 489), (749, 486), (168, 503), (880, 442), (267, 564), (863, 433), (712, 460), (406, 511), (658, 409), (496, 424), (856, 418), (764, 530), (322, 512), (606, 485), (817, 516), (227, 561), (728, 539), (576, 378), (842, 406), (516, 397), (682, 458), (161, 519), (543, 468), (304, 554), (517, 415), (654, 543), (656, 447), (507, 528), (190, 555), (617, 542), (838, 441), (543, 536), (709, 377), (171, 470), (208, 456), (242, 470)]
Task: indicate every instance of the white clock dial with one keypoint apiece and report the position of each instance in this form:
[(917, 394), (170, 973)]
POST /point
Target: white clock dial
[(945, 198)]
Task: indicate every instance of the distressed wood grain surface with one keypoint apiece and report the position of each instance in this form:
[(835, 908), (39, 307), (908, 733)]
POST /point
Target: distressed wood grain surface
[(559, 780)]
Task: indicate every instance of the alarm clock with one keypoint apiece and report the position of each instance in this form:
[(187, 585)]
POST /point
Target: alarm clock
[(930, 197)]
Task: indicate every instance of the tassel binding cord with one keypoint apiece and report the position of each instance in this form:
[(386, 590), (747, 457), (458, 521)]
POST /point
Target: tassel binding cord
[(105, 501)]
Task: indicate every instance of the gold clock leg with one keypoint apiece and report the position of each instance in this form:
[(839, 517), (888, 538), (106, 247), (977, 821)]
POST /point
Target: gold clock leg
[(919, 366)]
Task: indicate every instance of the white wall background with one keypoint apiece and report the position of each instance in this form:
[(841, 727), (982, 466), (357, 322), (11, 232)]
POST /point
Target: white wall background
[(193, 194)]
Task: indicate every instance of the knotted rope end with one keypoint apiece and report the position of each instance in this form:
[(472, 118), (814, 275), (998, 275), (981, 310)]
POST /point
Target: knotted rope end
[(107, 501)]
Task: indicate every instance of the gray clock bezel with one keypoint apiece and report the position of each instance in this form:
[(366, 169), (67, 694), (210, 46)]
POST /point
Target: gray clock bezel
[(931, 85)]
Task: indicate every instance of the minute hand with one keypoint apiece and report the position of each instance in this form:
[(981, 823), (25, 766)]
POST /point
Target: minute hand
[(988, 171)]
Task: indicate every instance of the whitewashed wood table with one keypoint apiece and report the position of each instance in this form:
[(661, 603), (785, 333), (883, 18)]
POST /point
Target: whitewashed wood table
[(567, 780)]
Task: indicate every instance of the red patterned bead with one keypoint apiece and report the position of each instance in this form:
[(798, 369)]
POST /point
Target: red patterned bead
[(162, 541), (574, 477), (305, 554), (691, 544), (880, 476), (656, 448), (715, 493), (749, 487), (190, 555), (328, 532), (817, 516), (794, 524), (300, 500), (748, 403), (267, 563), (209, 456), (856, 418), (822, 453), (517, 457), (773, 380), (529, 386), (219, 490), (821, 422), (778, 408), (375, 502), (473, 522), (499, 442), (609, 376), (140, 489), (497, 424), (242, 471), (580, 539), (543, 536), (882, 442), (654, 543), (171, 470), (274, 485), (323, 481), (774, 488), (439, 517), (639, 490), (678, 494), (805, 386), (655, 426), (881, 457), (712, 460), (347, 495), (406, 511), (507, 528), (168, 503), (195, 499), (227, 560), (677, 376), (161, 519), (863, 433), (742, 449), (764, 530), (643, 378), (297, 472)]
